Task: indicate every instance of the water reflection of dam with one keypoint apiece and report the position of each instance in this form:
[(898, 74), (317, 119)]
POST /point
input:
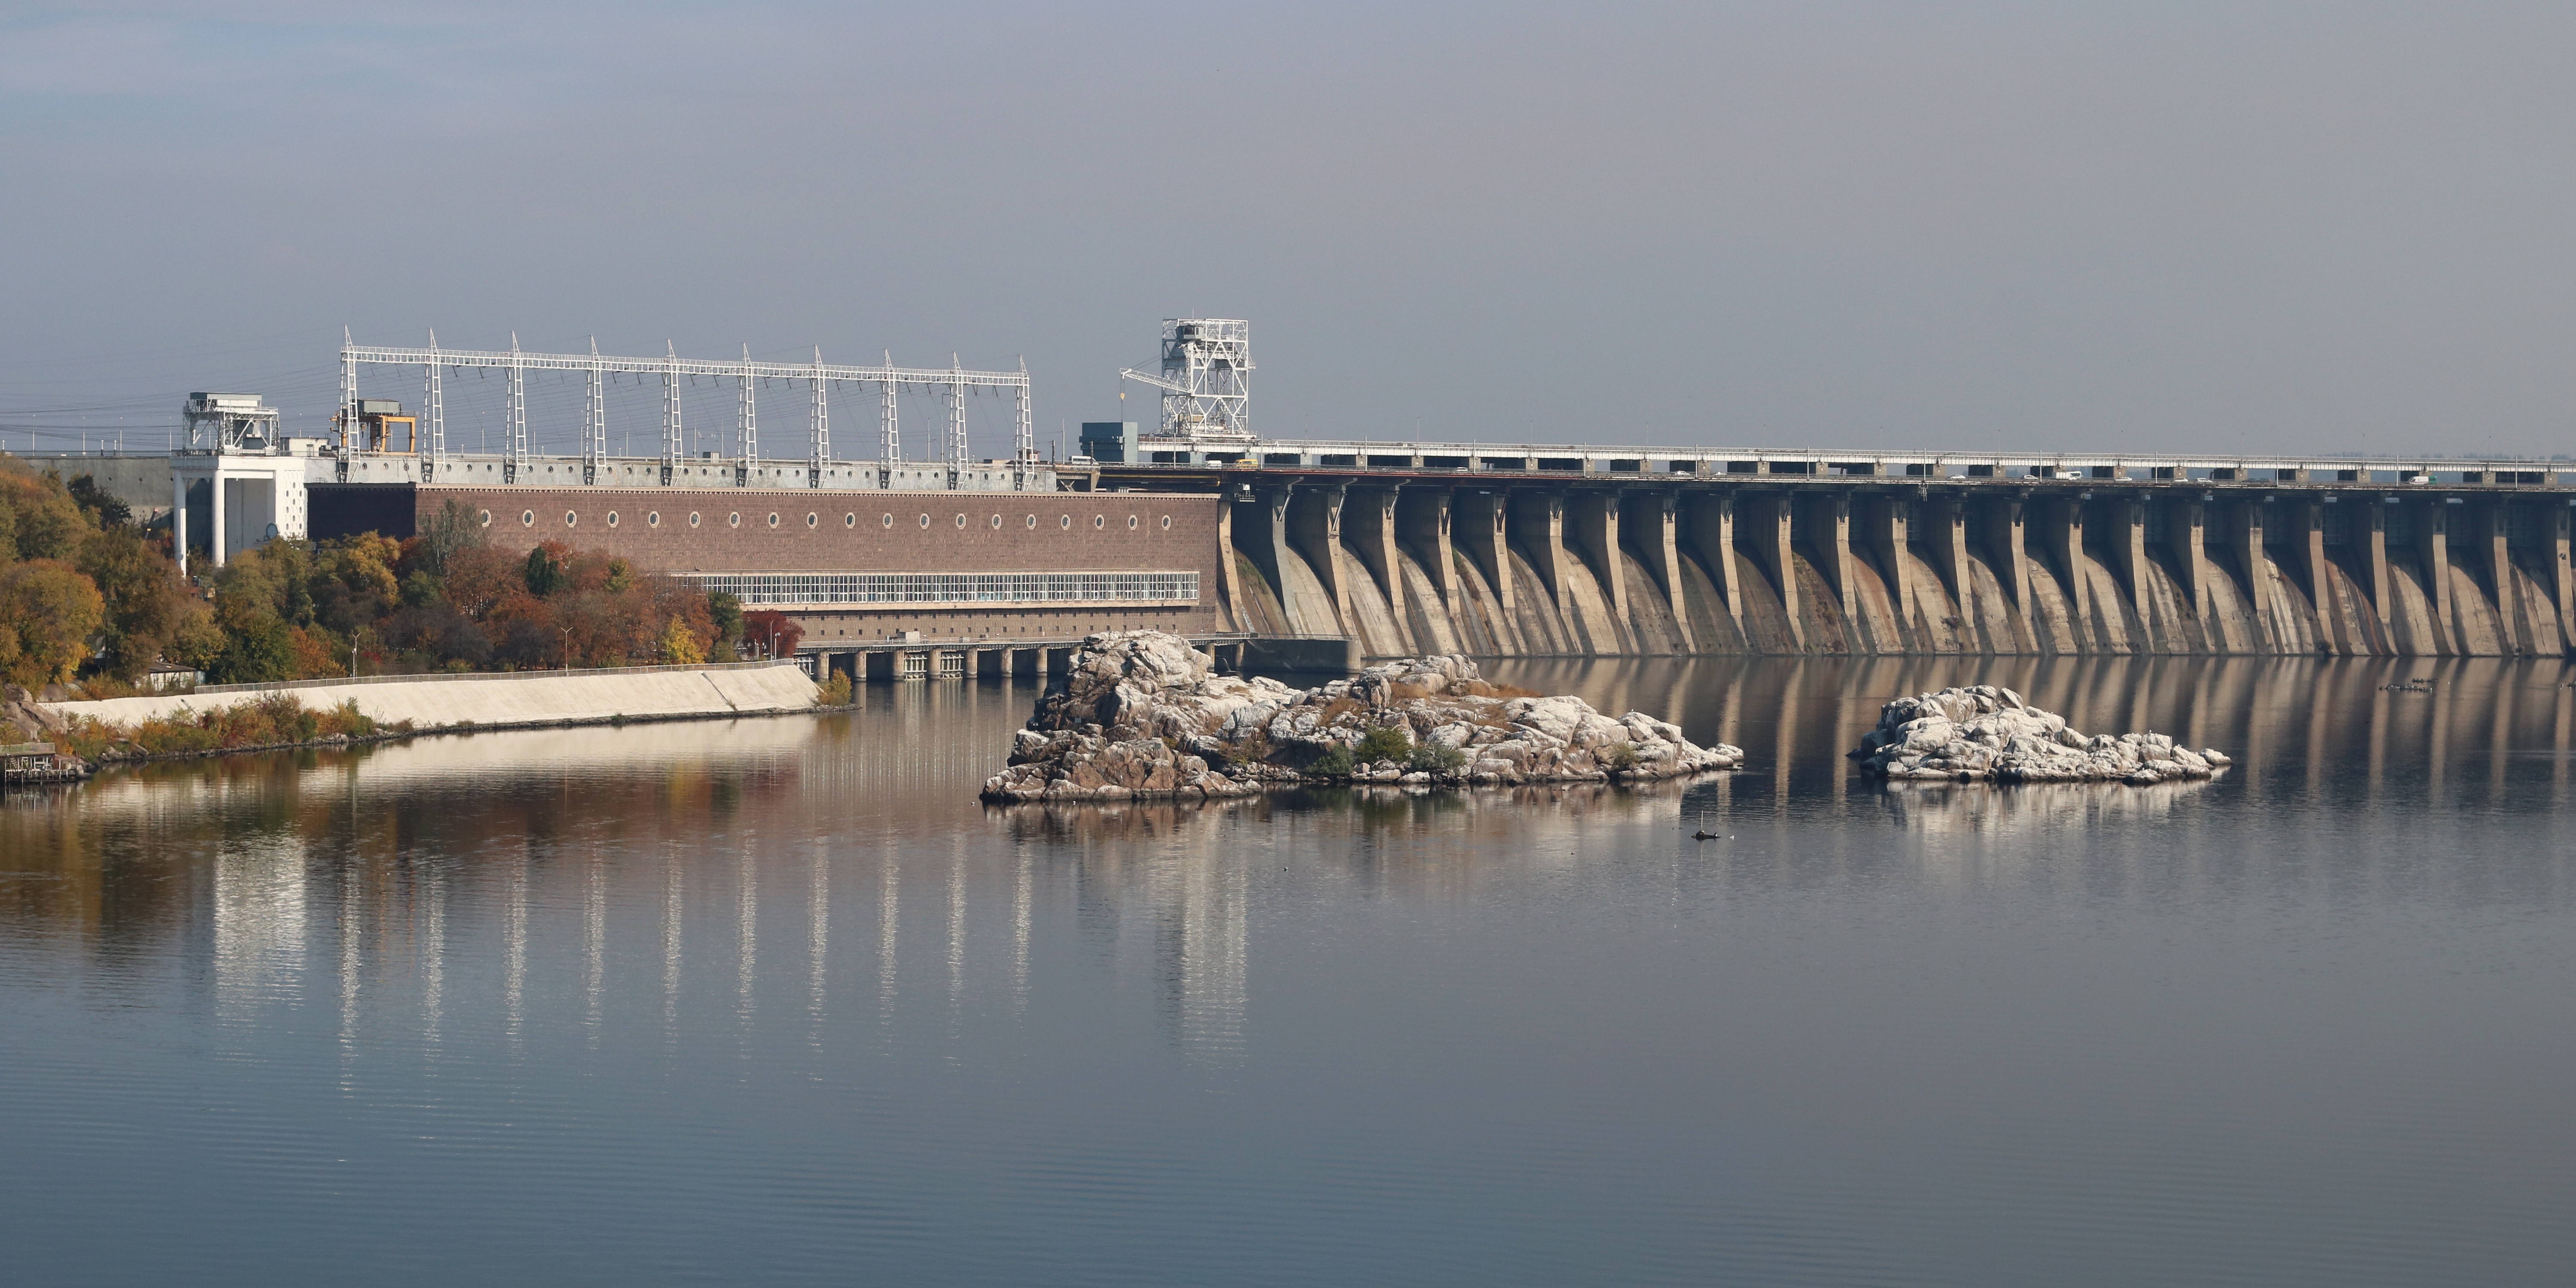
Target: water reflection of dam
[(788, 886)]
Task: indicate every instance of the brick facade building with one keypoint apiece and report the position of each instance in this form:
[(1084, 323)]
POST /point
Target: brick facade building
[(859, 567)]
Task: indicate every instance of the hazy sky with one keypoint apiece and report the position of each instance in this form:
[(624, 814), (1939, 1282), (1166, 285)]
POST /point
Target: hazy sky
[(2295, 227)]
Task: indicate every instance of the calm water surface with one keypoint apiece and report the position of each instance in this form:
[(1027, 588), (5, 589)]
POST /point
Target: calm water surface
[(778, 1001)]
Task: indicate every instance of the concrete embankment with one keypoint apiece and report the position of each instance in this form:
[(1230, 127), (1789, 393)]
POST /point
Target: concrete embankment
[(514, 699)]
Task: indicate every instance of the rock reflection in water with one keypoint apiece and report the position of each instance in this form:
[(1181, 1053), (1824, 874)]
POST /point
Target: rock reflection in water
[(2296, 727)]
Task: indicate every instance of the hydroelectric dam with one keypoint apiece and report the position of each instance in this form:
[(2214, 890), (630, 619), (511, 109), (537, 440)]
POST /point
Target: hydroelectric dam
[(1320, 552)]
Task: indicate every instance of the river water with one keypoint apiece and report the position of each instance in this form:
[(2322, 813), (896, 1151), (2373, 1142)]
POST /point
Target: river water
[(778, 1001)]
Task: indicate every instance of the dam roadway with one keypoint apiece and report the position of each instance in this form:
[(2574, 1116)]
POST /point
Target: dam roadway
[(1517, 550)]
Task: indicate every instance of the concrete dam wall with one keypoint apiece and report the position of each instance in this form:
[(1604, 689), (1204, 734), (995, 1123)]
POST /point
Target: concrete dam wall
[(1603, 573)]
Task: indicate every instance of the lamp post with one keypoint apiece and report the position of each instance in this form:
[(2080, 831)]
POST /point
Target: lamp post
[(567, 648)]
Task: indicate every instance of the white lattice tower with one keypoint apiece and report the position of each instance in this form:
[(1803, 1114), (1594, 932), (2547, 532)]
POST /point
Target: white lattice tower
[(1206, 380), (594, 416), (818, 454), (515, 418), (889, 427), (674, 444), (747, 414), (956, 419), (1024, 446), (348, 389), (433, 404)]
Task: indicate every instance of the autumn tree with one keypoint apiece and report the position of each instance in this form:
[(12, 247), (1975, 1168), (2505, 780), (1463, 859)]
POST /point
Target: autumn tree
[(773, 632), (102, 507), (146, 604), (446, 534), (38, 518), (725, 612), (680, 644), (48, 613)]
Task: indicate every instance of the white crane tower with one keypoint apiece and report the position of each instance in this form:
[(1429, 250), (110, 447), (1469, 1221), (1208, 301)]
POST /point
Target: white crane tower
[(1206, 380)]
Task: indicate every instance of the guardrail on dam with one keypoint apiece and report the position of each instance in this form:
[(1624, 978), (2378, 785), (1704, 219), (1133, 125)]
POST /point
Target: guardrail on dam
[(1497, 549)]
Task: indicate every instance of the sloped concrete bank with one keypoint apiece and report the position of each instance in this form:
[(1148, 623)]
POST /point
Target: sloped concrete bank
[(513, 700)]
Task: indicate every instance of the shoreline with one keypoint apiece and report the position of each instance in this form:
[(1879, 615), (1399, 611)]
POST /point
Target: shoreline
[(376, 709), (337, 741)]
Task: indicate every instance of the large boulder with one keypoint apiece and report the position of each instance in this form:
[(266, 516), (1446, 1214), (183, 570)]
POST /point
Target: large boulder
[(1983, 732), (1141, 714)]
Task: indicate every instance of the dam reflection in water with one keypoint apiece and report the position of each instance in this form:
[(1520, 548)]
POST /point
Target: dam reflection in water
[(554, 863), (465, 939)]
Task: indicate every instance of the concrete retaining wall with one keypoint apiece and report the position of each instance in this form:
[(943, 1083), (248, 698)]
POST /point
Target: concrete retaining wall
[(518, 698)]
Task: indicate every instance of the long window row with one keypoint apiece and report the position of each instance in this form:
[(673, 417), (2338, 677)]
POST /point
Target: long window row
[(762, 589)]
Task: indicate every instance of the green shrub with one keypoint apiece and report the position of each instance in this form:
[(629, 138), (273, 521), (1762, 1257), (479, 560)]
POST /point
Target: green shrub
[(1386, 742), (1435, 758), (835, 691), (1332, 764), (1621, 755), (263, 721)]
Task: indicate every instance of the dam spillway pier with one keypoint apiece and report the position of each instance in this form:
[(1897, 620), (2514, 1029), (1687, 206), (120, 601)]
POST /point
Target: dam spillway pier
[(1612, 551)]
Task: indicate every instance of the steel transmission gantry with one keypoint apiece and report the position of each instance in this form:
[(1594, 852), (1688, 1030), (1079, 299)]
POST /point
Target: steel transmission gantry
[(955, 383)]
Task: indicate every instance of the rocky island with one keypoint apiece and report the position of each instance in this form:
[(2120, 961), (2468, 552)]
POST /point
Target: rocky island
[(1986, 732), (1142, 715)]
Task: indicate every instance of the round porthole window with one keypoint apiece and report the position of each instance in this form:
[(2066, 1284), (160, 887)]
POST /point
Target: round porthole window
[(612, 518), (1099, 521), (1033, 521), (653, 519), (1131, 523), (961, 520), (997, 523), (571, 518), (850, 520), (889, 521), (773, 518), (1066, 522), (811, 518), (693, 518), (483, 518), (925, 521), (1167, 523), (734, 519), (527, 518)]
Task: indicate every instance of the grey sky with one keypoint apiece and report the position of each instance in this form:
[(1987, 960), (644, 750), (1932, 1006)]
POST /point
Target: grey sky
[(2221, 226)]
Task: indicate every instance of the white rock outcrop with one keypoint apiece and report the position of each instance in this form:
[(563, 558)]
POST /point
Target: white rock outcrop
[(1986, 732), (1141, 714)]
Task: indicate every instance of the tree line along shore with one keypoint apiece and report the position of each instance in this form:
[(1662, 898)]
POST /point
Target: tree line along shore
[(92, 605)]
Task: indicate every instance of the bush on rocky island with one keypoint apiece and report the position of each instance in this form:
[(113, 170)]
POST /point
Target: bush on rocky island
[(1141, 714), (1982, 732)]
